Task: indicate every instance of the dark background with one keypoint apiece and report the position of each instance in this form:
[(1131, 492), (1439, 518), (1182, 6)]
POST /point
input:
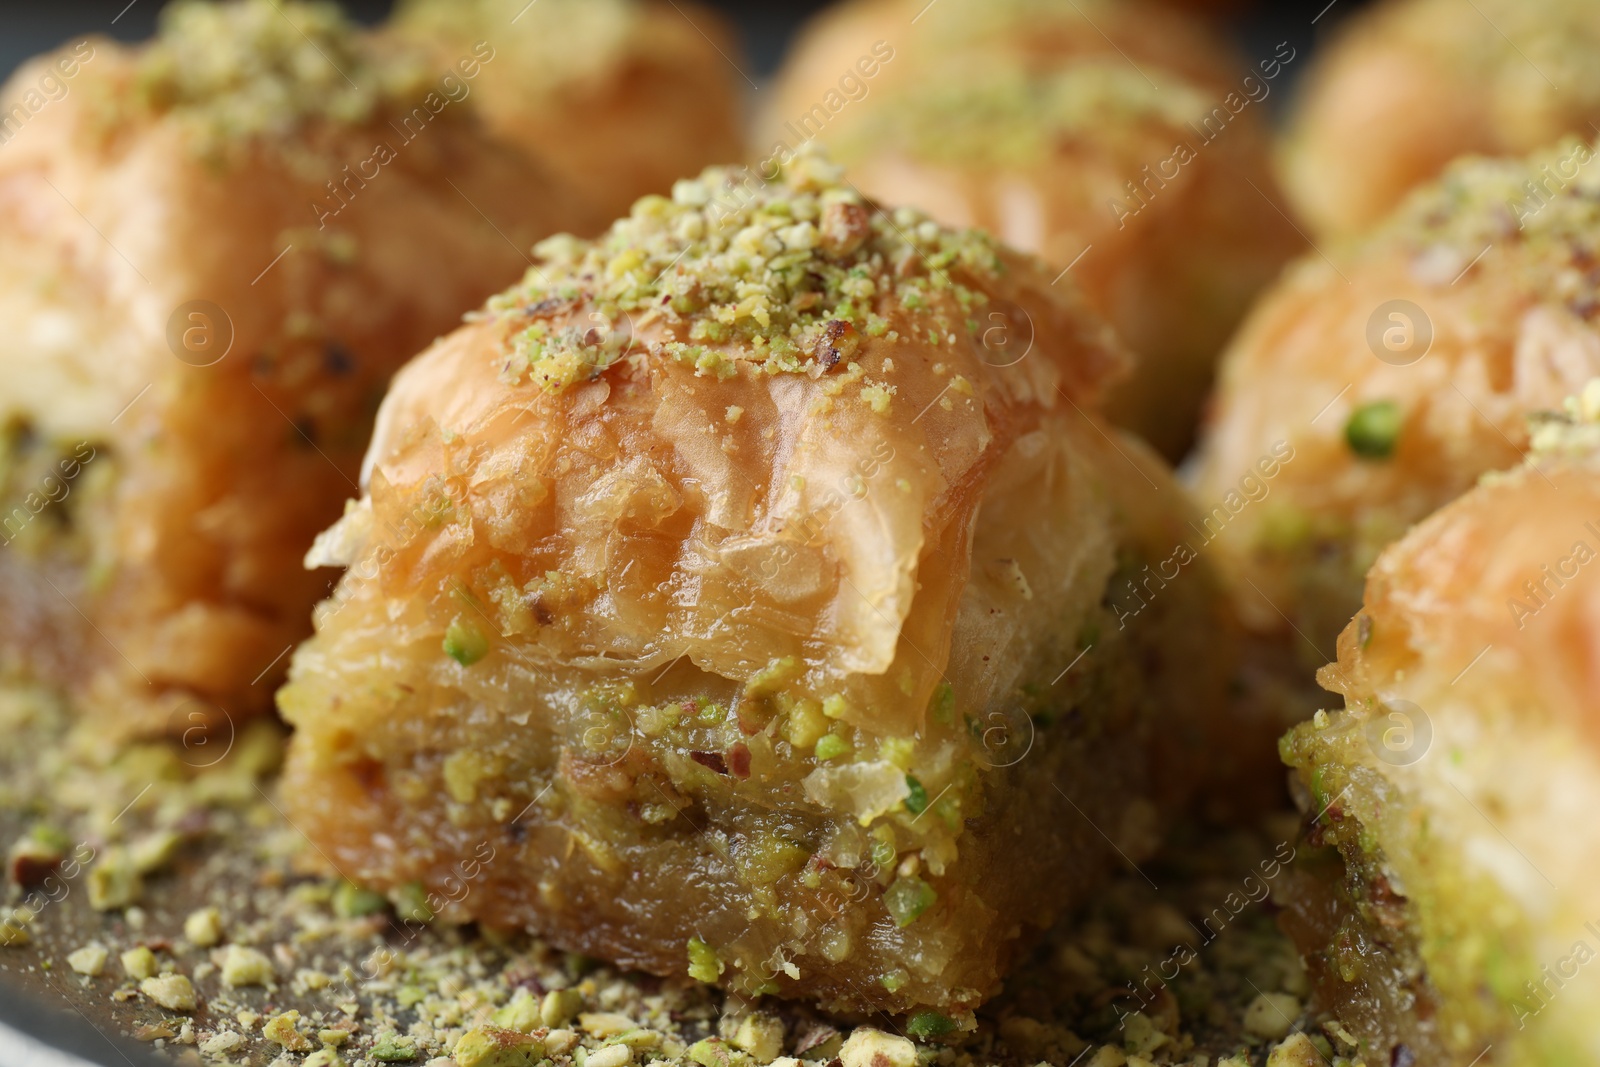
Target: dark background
[(32, 27)]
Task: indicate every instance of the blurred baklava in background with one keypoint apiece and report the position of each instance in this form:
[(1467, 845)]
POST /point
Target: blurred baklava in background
[(622, 97), (769, 627), (1122, 141), (217, 249), (1407, 86), (1397, 368)]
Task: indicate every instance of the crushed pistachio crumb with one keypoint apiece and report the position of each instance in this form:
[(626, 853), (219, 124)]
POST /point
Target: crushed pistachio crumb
[(560, 1006), (411, 903), (877, 397), (1271, 1014), (203, 927), (14, 932), (394, 1048), (916, 796), (521, 1013), (489, 1046), (831, 747), (610, 1056), (90, 959), (714, 1052), (464, 642), (1297, 1050), (1373, 429), (761, 1035), (704, 966), (172, 991), (907, 899), (114, 882), (874, 1048), (929, 1024), (139, 963), (245, 966), (283, 1030)]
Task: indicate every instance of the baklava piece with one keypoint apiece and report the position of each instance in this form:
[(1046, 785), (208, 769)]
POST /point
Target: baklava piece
[(1447, 905), (759, 622), (622, 97), (1121, 142), (1407, 86), (1377, 384), (218, 247)]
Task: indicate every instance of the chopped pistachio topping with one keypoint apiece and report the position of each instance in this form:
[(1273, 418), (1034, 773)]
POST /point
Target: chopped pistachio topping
[(259, 67), (779, 276), (1374, 429)]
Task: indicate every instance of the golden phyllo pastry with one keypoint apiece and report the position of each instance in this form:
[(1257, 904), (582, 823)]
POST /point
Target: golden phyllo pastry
[(217, 249), (1448, 907), (767, 613), (1391, 374), (1120, 141), (622, 97), (1406, 86)]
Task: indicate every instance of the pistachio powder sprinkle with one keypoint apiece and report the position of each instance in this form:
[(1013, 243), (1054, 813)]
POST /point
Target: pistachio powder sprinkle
[(961, 25), (985, 113), (552, 43), (258, 67), (1544, 209), (788, 275), (1573, 432)]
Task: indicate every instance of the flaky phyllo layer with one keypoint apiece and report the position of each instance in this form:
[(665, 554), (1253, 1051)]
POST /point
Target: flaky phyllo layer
[(747, 594)]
